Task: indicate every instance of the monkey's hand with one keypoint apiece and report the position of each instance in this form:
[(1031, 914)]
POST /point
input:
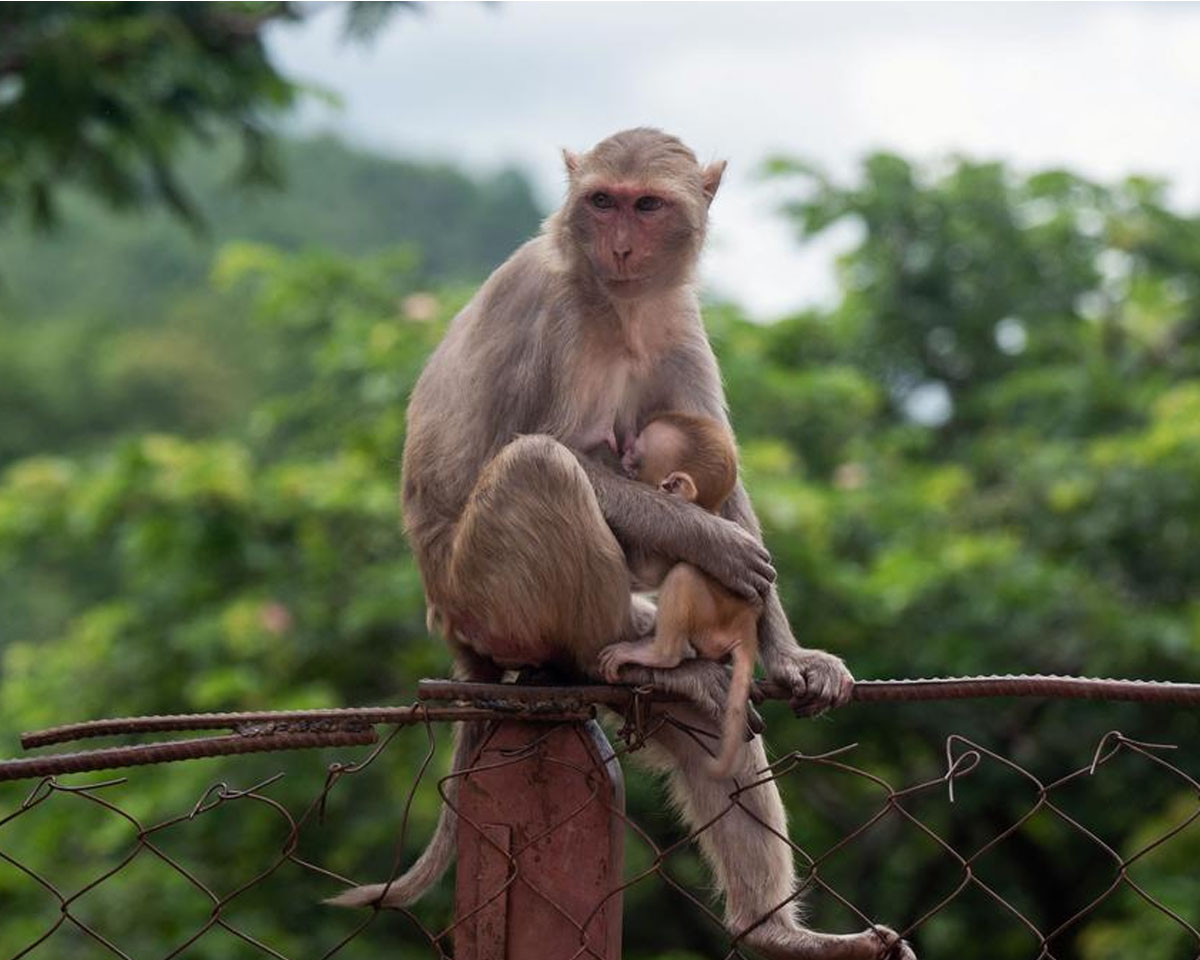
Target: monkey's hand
[(735, 558), (817, 680)]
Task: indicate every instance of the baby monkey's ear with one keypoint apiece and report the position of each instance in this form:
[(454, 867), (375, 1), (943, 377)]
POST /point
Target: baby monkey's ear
[(679, 484)]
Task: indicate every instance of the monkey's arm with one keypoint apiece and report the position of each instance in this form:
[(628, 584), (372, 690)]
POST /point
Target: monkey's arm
[(817, 679), (692, 382), (648, 521)]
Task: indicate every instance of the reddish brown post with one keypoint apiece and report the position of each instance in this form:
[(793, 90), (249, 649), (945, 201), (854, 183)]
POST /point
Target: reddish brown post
[(540, 846)]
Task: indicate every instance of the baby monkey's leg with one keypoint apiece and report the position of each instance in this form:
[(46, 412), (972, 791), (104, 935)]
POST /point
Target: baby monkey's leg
[(645, 653), (669, 645)]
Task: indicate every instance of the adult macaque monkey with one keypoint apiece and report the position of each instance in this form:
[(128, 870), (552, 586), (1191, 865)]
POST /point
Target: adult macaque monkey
[(521, 520)]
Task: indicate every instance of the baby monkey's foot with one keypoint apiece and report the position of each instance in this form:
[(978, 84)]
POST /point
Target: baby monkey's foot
[(612, 658)]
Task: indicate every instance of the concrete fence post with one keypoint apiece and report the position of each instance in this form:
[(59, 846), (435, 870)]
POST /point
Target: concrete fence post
[(540, 846)]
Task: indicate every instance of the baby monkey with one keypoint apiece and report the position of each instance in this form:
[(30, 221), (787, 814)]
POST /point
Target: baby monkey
[(695, 458)]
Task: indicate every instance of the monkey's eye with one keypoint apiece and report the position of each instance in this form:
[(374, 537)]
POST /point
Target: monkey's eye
[(647, 204), (603, 201)]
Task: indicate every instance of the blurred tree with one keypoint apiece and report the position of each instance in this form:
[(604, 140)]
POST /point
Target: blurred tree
[(1047, 522), (106, 95), (969, 274), (139, 339)]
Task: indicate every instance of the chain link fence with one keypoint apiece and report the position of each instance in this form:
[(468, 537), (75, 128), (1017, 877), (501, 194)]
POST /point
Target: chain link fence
[(548, 852)]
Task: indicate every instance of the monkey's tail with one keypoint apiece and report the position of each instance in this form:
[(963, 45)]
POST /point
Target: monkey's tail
[(734, 731), (435, 858)]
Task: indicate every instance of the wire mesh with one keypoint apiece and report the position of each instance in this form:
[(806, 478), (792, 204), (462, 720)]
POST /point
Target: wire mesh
[(970, 866)]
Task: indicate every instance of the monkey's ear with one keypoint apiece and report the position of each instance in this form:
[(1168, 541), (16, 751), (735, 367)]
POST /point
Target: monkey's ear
[(679, 484), (570, 161), (712, 179)]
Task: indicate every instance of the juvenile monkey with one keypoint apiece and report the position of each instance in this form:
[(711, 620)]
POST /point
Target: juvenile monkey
[(694, 458), (522, 534)]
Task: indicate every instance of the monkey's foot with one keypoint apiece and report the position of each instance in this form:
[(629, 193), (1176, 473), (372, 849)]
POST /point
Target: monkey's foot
[(645, 654), (610, 661), (818, 680), (785, 942)]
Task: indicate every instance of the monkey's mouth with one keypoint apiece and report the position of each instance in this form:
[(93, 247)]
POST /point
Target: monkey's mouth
[(625, 283), (625, 279)]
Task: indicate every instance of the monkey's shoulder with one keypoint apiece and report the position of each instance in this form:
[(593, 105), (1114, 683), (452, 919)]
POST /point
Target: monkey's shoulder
[(525, 286)]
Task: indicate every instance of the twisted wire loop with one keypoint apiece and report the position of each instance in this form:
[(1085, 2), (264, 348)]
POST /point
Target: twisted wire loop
[(859, 812)]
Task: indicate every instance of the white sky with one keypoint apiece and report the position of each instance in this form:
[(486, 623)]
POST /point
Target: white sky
[(1105, 89)]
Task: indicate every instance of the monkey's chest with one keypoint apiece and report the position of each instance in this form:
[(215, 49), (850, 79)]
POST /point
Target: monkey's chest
[(602, 407)]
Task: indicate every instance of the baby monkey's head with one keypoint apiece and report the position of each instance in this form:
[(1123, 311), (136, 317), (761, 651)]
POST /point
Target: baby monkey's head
[(687, 455)]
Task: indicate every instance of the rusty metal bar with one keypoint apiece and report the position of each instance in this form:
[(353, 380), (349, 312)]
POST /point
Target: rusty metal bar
[(555, 696), (865, 691), (1025, 685), (276, 721), (302, 729), (146, 753)]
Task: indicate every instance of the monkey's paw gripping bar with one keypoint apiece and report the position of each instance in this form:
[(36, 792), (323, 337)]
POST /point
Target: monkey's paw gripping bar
[(448, 700)]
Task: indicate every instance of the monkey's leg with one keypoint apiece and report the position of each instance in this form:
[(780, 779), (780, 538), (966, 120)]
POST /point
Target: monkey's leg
[(662, 651), (534, 563), (669, 645), (745, 850)]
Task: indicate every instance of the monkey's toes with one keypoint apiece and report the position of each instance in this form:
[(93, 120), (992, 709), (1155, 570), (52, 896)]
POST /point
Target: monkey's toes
[(891, 947), (610, 663)]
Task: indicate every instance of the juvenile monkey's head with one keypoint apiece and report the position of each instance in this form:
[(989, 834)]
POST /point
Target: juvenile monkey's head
[(636, 211), (687, 455)]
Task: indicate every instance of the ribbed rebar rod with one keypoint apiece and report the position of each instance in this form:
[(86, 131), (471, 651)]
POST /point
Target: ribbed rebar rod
[(1026, 685), (347, 719), (258, 732), (215, 721), (865, 691), (513, 693), (138, 755)]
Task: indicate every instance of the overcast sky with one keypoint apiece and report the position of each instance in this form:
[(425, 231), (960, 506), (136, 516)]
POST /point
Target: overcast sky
[(1106, 89)]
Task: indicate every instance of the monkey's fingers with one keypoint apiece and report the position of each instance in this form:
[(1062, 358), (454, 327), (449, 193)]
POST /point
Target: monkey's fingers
[(892, 947), (808, 706), (738, 560), (755, 581), (761, 566)]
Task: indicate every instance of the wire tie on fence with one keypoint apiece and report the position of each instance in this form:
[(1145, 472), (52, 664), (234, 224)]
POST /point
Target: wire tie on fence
[(33, 799), (1120, 740), (200, 807), (799, 756), (633, 731), (219, 792), (959, 766), (332, 776)]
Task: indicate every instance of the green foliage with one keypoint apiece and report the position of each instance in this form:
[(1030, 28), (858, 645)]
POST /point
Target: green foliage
[(253, 558), (106, 96), (140, 340)]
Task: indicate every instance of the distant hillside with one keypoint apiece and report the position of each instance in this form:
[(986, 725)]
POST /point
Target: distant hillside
[(109, 264), (109, 325)]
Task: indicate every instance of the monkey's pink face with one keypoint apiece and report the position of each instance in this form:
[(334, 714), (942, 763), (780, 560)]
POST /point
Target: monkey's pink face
[(636, 231)]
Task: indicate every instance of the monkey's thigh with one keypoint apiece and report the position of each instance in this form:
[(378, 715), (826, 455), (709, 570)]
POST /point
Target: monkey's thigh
[(534, 563)]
